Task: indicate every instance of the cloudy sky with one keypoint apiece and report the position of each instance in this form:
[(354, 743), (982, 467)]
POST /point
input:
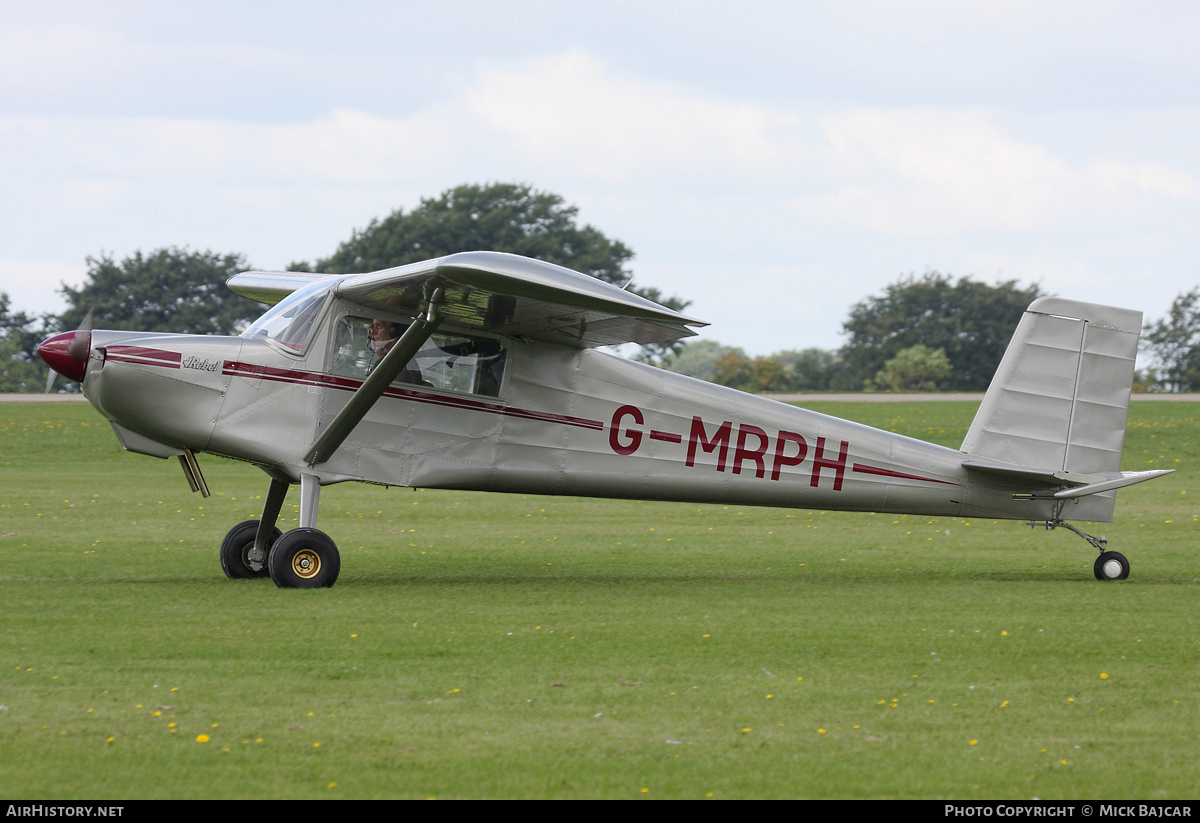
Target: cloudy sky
[(773, 162)]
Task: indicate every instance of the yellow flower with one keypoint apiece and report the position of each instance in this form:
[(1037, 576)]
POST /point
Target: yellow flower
[(201, 738)]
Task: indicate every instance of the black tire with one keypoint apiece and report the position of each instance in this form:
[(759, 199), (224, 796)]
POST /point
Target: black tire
[(1111, 566), (304, 559), (237, 545)]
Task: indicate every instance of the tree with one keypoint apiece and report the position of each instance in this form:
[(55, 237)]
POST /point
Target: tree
[(733, 369), (699, 359), (971, 322), (1174, 341), (810, 370), (752, 374), (170, 289), (506, 217), (807, 370), (917, 368), (500, 217), (20, 368)]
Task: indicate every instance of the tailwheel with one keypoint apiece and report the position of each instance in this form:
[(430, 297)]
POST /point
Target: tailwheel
[(1111, 566), (304, 559), (239, 560)]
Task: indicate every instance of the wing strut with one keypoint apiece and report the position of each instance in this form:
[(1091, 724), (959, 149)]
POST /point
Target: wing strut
[(376, 383)]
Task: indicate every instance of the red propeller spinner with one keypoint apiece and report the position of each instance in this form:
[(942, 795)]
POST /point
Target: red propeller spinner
[(67, 353)]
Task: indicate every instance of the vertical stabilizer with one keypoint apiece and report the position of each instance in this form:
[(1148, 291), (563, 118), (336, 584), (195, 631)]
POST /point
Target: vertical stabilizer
[(1060, 399)]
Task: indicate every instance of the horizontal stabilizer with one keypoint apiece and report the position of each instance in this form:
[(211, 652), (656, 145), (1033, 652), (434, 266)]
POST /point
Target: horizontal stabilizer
[(1047, 483), (1126, 479), (1030, 474)]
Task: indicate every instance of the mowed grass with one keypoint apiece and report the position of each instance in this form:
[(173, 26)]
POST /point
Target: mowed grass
[(494, 646)]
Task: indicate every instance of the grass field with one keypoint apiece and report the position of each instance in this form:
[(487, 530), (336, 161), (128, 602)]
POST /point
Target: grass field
[(508, 646)]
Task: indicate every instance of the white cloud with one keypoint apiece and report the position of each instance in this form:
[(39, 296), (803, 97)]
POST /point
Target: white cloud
[(569, 111), (725, 200), (930, 172), (899, 172)]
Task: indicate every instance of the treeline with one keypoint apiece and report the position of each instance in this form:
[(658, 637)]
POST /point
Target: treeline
[(933, 333), (923, 333), (183, 291)]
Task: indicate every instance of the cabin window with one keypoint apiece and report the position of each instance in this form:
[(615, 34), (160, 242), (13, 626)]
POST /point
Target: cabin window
[(450, 362), (292, 320)]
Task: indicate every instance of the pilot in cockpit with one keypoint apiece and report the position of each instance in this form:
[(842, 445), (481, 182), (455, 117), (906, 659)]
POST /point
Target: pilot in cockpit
[(383, 335)]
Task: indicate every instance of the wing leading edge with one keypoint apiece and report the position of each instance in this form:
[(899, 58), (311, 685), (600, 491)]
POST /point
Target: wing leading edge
[(497, 292)]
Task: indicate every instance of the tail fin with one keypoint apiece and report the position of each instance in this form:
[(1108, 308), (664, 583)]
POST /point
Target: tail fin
[(1060, 400)]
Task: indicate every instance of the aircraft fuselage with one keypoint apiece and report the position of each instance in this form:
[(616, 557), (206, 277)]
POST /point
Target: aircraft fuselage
[(567, 421)]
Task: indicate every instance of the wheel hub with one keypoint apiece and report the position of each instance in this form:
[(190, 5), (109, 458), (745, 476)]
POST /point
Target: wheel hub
[(306, 563), (255, 559), (1112, 569)]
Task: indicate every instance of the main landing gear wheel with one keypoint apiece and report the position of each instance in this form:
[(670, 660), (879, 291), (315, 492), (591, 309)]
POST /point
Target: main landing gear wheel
[(1111, 566), (238, 559), (304, 559)]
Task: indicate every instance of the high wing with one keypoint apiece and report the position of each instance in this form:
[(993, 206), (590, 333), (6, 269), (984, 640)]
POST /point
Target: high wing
[(486, 291), (271, 286), (496, 292)]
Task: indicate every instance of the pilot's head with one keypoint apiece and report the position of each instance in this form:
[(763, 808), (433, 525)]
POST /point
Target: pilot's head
[(383, 335), (384, 330)]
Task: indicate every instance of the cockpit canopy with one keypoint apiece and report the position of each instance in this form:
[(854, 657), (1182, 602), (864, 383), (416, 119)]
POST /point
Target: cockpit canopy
[(292, 319), (449, 361)]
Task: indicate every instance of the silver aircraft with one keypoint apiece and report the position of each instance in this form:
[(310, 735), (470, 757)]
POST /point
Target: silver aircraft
[(484, 371)]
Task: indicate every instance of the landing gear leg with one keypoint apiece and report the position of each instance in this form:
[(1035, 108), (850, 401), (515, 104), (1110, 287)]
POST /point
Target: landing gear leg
[(245, 548), (1109, 565), (304, 558), (240, 559)]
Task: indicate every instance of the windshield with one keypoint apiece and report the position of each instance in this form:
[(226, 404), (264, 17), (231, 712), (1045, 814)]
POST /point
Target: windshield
[(291, 321)]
